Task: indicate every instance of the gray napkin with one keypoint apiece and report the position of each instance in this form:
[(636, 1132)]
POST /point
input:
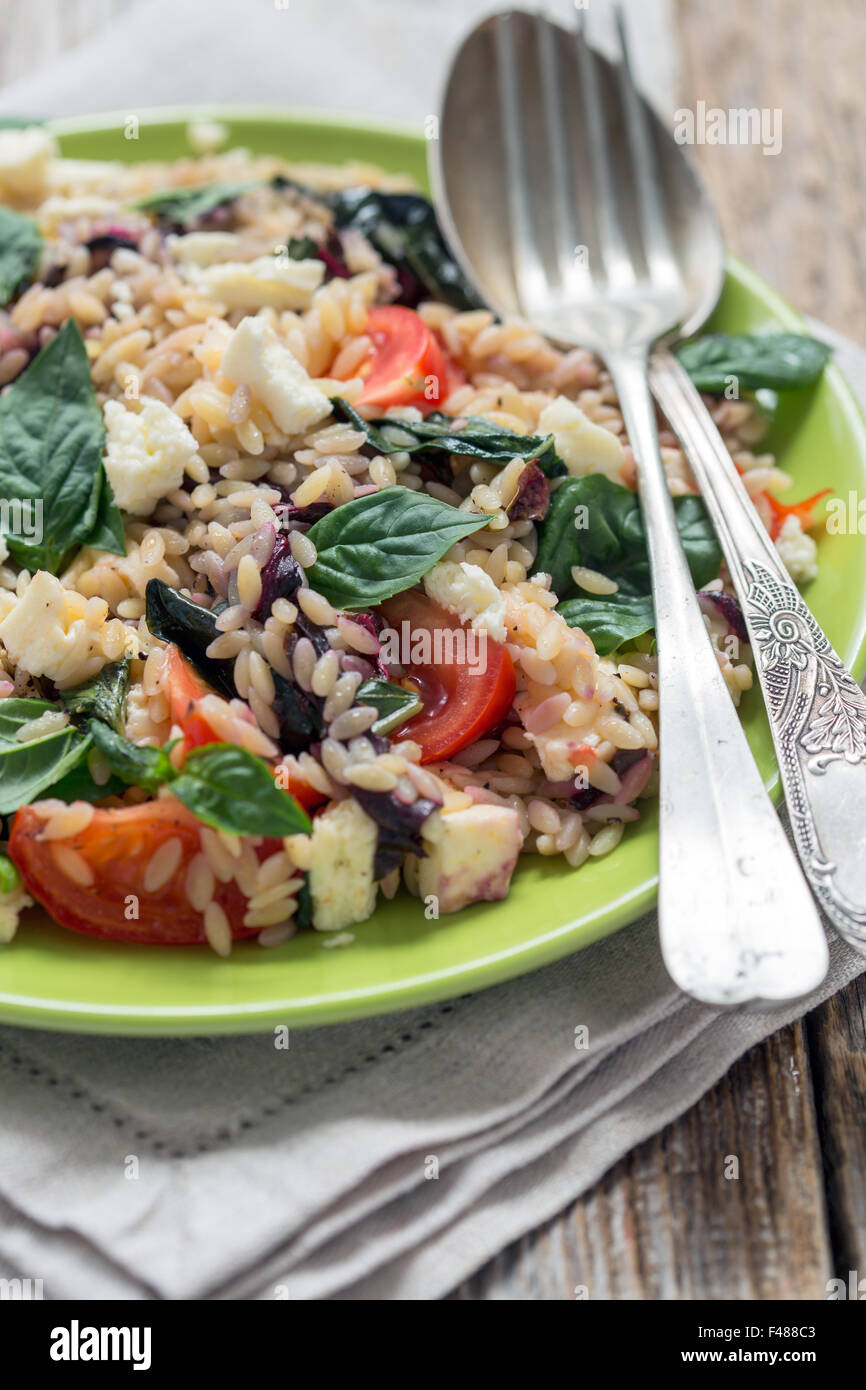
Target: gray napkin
[(383, 1159)]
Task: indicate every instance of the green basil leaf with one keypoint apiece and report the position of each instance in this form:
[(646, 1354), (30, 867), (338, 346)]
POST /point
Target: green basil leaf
[(471, 437), (183, 206), (107, 532), (27, 769), (781, 361), (191, 628), (610, 621), (381, 544), (394, 702), (78, 785), (302, 248), (51, 440), (232, 789), (10, 879), (20, 248), (139, 765), (103, 697)]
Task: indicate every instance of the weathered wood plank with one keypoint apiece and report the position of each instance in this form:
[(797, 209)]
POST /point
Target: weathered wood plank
[(667, 1223)]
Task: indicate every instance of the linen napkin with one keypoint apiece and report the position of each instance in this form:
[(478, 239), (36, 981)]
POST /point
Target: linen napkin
[(384, 1159)]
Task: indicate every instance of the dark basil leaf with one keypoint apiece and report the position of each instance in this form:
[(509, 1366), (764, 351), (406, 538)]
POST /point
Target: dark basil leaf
[(233, 790), (103, 697), (181, 207), (51, 439), (381, 544), (299, 715), (404, 230), (399, 825), (20, 248), (78, 785), (610, 621), (394, 702), (304, 912), (191, 628), (471, 437), (27, 769), (302, 248), (781, 361), (139, 765), (597, 523), (107, 532)]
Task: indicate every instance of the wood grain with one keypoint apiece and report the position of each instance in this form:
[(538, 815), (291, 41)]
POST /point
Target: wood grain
[(797, 217), (666, 1223)]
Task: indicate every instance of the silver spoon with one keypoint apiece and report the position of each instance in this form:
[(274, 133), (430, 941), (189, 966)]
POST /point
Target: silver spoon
[(556, 224)]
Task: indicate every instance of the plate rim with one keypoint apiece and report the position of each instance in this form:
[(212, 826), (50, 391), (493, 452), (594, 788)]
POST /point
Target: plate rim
[(435, 984)]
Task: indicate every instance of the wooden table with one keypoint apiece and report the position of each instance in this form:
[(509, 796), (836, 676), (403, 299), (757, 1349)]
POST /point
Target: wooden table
[(666, 1223)]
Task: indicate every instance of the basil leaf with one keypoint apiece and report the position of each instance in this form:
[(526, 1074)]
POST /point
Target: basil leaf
[(27, 769), (51, 439), (232, 789), (299, 715), (191, 628), (302, 248), (103, 697), (611, 620), (781, 361), (394, 702), (598, 524), (400, 826), (107, 532), (78, 785), (471, 437), (381, 544), (183, 206), (404, 230), (139, 765), (304, 912), (20, 248)]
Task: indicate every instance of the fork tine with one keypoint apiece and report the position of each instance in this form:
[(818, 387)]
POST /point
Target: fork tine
[(568, 236), (615, 252), (529, 273), (653, 223)]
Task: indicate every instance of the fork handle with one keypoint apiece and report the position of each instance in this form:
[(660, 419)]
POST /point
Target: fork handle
[(736, 920), (816, 710)]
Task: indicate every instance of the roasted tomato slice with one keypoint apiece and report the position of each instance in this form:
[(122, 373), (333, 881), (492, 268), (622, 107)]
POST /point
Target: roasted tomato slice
[(100, 886), (186, 689), (407, 364), (463, 699)]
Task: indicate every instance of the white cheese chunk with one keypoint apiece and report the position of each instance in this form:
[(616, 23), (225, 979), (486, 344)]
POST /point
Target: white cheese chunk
[(467, 591), (256, 358), (471, 854), (202, 248), (268, 282), (797, 550), (583, 446), (24, 159), (342, 886), (146, 454), (50, 631)]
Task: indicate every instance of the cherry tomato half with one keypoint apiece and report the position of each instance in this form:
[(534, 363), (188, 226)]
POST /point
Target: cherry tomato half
[(804, 510), (407, 364), (462, 700), (113, 852)]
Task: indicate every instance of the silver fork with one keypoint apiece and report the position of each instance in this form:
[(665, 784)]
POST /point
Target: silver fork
[(737, 922)]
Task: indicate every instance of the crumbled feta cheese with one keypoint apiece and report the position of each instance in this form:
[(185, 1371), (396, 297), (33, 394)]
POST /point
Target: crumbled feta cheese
[(471, 854), (342, 886), (203, 248), (24, 157), (256, 358), (146, 454), (206, 136), (583, 446), (51, 631), (471, 594), (268, 282), (56, 210), (798, 551)]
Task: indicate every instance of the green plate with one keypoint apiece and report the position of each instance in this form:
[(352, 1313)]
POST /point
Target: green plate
[(55, 979)]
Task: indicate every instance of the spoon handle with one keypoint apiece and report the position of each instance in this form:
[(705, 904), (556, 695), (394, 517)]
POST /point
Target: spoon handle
[(736, 920), (816, 710)]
